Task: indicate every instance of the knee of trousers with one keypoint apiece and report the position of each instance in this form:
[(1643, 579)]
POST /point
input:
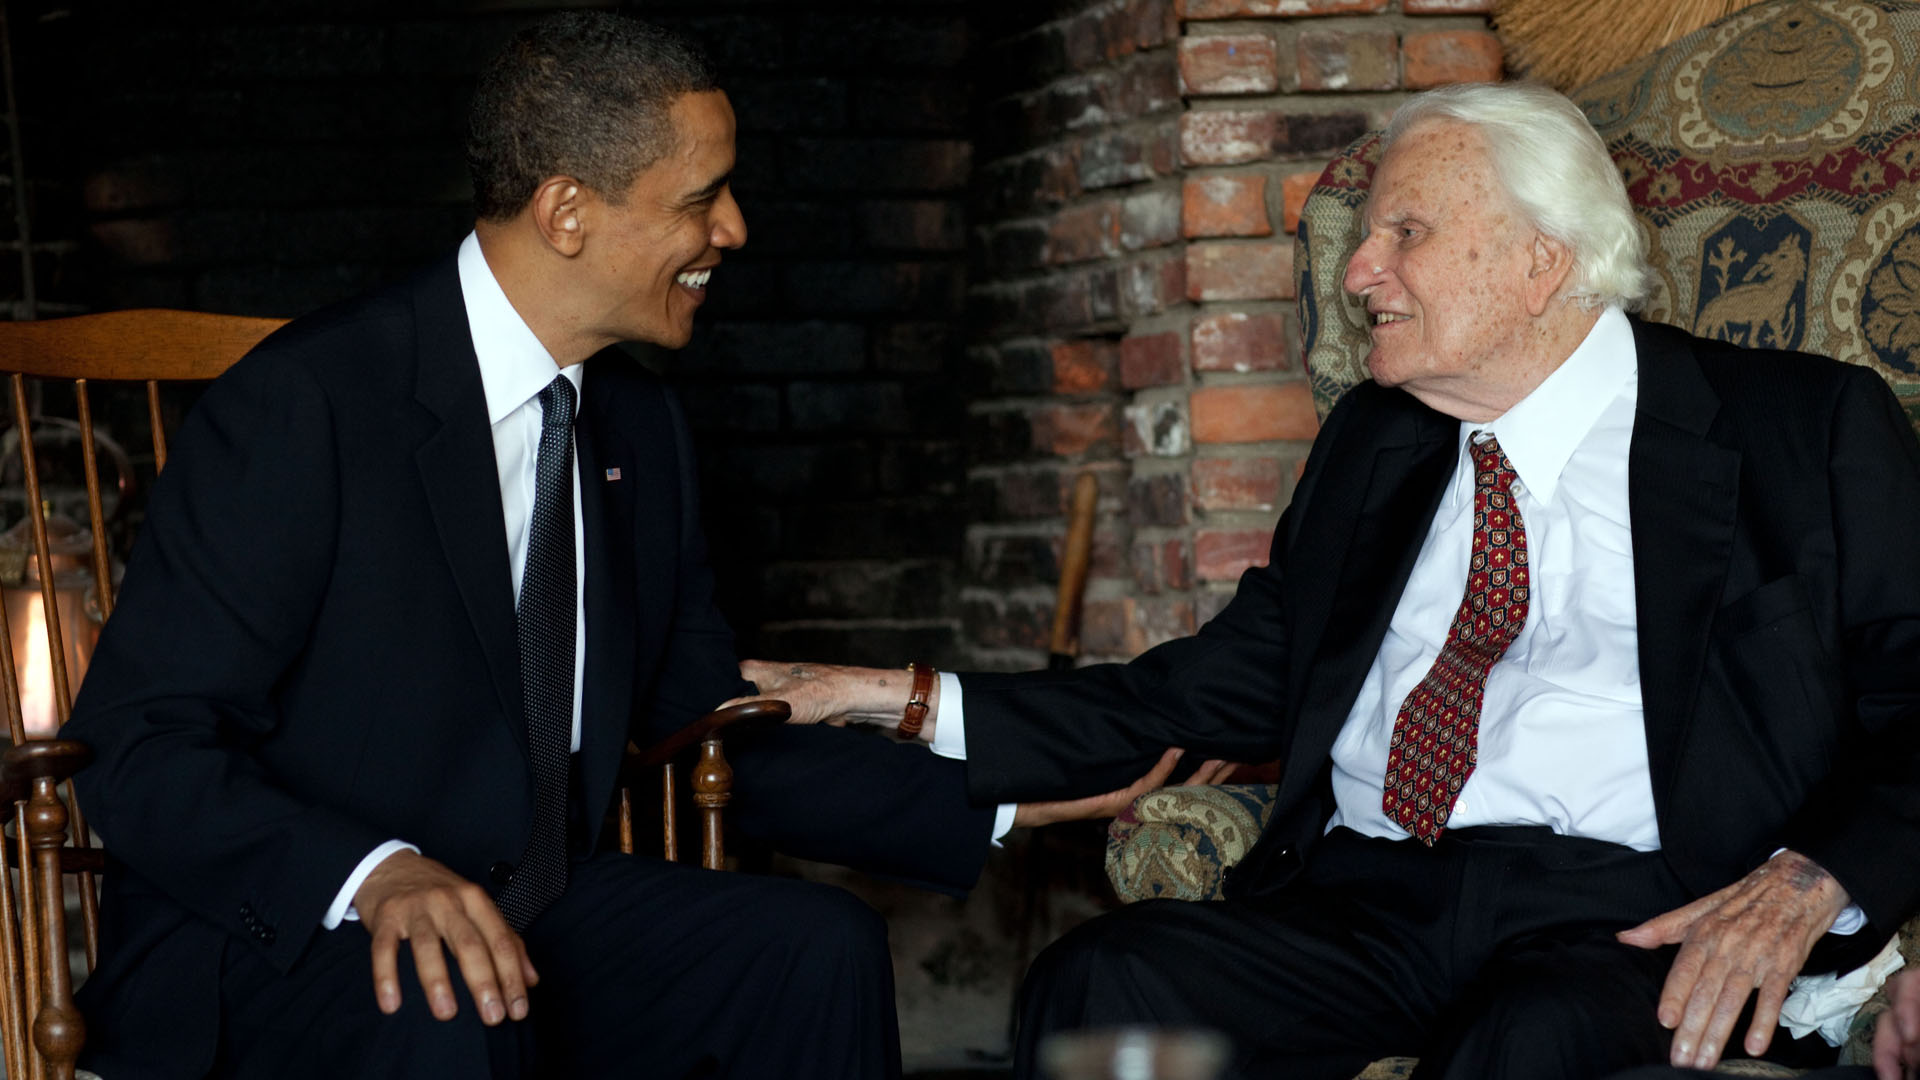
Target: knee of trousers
[(414, 1034), (829, 923), (1540, 1031), (1109, 950)]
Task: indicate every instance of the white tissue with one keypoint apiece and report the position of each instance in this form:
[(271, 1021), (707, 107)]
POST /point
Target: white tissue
[(1826, 1003)]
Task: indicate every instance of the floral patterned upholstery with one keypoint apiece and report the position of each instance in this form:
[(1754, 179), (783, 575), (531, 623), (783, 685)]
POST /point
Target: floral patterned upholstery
[(1773, 159)]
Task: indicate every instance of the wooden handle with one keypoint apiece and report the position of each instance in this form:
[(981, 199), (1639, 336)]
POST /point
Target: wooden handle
[(1074, 556)]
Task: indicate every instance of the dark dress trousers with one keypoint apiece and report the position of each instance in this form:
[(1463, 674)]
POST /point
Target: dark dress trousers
[(314, 652), (1775, 499)]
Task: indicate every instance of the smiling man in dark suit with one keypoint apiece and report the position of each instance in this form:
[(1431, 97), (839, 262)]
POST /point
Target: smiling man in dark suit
[(1590, 650), (419, 567)]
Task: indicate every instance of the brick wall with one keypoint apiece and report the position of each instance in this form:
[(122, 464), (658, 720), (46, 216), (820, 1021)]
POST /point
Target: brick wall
[(822, 382), (1142, 176)]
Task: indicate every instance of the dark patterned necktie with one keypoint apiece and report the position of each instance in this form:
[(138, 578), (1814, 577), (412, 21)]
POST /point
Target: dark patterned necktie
[(1436, 736), (545, 622)]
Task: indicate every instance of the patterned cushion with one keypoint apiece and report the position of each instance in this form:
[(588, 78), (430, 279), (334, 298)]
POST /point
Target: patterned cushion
[(1179, 841), (1774, 162)]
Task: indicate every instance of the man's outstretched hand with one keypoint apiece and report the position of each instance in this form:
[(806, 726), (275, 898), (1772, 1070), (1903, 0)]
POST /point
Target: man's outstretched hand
[(1106, 806), (1753, 935), (837, 694), (411, 897)]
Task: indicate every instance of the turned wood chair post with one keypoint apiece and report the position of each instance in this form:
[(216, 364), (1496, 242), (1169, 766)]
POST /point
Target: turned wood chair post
[(58, 1030), (712, 791), (712, 778)]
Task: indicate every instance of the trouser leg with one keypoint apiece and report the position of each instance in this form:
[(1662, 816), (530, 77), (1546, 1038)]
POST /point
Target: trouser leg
[(1338, 970), (1385, 947), (320, 1022), (1568, 1009), (653, 969)]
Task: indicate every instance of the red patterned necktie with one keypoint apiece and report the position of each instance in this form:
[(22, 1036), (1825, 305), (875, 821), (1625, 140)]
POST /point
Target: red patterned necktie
[(1436, 736)]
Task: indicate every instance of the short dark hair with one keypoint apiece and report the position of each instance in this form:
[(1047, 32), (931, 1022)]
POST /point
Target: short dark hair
[(583, 94)]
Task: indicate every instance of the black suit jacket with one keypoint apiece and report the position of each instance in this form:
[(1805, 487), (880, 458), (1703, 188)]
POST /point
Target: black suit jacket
[(1775, 499), (314, 652)]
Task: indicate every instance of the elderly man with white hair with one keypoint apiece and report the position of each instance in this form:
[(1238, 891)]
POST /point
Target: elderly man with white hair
[(1590, 650)]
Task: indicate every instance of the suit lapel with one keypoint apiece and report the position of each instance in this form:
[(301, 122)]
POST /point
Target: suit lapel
[(1682, 491), (605, 507), (457, 472), (1396, 493)]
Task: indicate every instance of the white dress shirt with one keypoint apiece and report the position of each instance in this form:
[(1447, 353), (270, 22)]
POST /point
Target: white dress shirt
[(1562, 737), (514, 368)]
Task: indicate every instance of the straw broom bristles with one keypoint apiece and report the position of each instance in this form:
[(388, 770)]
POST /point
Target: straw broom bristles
[(1568, 43)]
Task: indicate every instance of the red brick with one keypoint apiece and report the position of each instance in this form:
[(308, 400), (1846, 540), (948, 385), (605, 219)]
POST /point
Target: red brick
[(1150, 219), (1239, 271), (1239, 341), (1155, 620), (1349, 60), (1162, 564), (1442, 57), (1082, 367), (1224, 554), (1447, 7), (1237, 483), (1154, 22), (1148, 85), (997, 622), (1084, 232), (1103, 627), (1294, 189), (1148, 288), (1067, 430), (1160, 499), (1259, 413), (1151, 360), (1229, 136), (1227, 9), (1229, 64), (1225, 206), (1022, 493), (1157, 429)]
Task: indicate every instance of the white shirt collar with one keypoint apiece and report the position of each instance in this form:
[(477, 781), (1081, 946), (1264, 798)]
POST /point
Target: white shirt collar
[(514, 366), (1541, 433)]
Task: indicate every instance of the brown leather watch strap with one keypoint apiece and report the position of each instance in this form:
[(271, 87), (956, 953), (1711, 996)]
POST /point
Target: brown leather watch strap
[(917, 701)]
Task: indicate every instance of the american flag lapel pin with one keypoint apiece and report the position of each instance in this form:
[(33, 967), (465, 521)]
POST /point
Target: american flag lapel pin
[(613, 473)]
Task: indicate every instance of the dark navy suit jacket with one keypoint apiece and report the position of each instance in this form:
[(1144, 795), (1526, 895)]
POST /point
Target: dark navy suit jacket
[(314, 652)]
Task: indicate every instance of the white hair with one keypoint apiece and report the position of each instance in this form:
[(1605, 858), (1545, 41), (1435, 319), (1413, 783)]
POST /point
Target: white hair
[(1558, 173)]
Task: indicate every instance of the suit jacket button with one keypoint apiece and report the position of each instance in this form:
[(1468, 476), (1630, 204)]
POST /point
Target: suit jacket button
[(500, 872)]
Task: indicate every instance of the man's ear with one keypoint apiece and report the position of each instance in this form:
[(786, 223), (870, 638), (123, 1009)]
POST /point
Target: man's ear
[(1552, 262), (557, 205)]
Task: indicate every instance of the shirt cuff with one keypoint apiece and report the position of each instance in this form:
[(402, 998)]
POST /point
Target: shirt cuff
[(1850, 921), (950, 741), (342, 906), (950, 727), (1002, 822)]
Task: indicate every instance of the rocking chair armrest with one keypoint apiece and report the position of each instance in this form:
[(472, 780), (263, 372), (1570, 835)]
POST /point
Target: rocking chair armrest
[(55, 759), (749, 712)]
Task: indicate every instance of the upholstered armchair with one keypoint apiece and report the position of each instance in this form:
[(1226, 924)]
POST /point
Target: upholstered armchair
[(1774, 162)]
